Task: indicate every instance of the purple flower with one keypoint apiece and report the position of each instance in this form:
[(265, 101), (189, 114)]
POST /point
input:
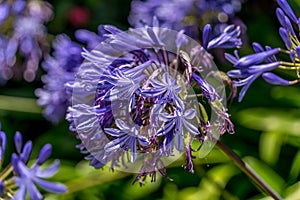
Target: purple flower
[(176, 123), (61, 68), (131, 98), (28, 178), (27, 36), (167, 90), (188, 12), (229, 38), (250, 67), (266, 59), (24, 178), (125, 137)]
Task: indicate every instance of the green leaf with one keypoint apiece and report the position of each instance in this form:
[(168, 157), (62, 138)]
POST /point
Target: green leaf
[(269, 147), (213, 185), (270, 120), (266, 173), (295, 168)]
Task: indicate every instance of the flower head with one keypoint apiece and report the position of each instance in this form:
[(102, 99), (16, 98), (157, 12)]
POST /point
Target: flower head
[(24, 178), (133, 99)]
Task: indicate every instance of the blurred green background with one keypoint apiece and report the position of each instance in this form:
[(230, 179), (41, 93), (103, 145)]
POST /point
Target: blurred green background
[(267, 125)]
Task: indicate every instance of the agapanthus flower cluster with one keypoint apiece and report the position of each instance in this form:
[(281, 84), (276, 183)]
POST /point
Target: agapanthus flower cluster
[(22, 33), (18, 179), (176, 14), (142, 96), (265, 60)]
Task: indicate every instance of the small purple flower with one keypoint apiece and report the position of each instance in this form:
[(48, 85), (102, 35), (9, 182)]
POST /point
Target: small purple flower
[(229, 38), (166, 90), (176, 123), (24, 178), (28, 178), (125, 137)]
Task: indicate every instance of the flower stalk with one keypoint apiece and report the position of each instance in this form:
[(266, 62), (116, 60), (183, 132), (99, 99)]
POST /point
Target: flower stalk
[(248, 171)]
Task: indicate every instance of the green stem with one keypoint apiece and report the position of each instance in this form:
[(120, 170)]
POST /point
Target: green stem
[(19, 104), (248, 171)]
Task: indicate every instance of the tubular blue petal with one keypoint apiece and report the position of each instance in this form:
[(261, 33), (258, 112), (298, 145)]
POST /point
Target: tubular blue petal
[(57, 188), (285, 37), (33, 192), (234, 73), (190, 127), (20, 193), (274, 79), (143, 141), (179, 142), (231, 58), (298, 51), (287, 9), (207, 31), (49, 171), (2, 143), (262, 68), (281, 17), (44, 154), (26, 152), (114, 132), (246, 87), (254, 59), (289, 27), (292, 56), (257, 47), (190, 113), (18, 142)]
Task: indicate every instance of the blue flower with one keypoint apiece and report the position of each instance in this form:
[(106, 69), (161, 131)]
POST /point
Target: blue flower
[(167, 90), (26, 36), (25, 179), (60, 68), (229, 38), (28, 178), (176, 124), (125, 137), (138, 96), (188, 12), (266, 59), (249, 67)]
